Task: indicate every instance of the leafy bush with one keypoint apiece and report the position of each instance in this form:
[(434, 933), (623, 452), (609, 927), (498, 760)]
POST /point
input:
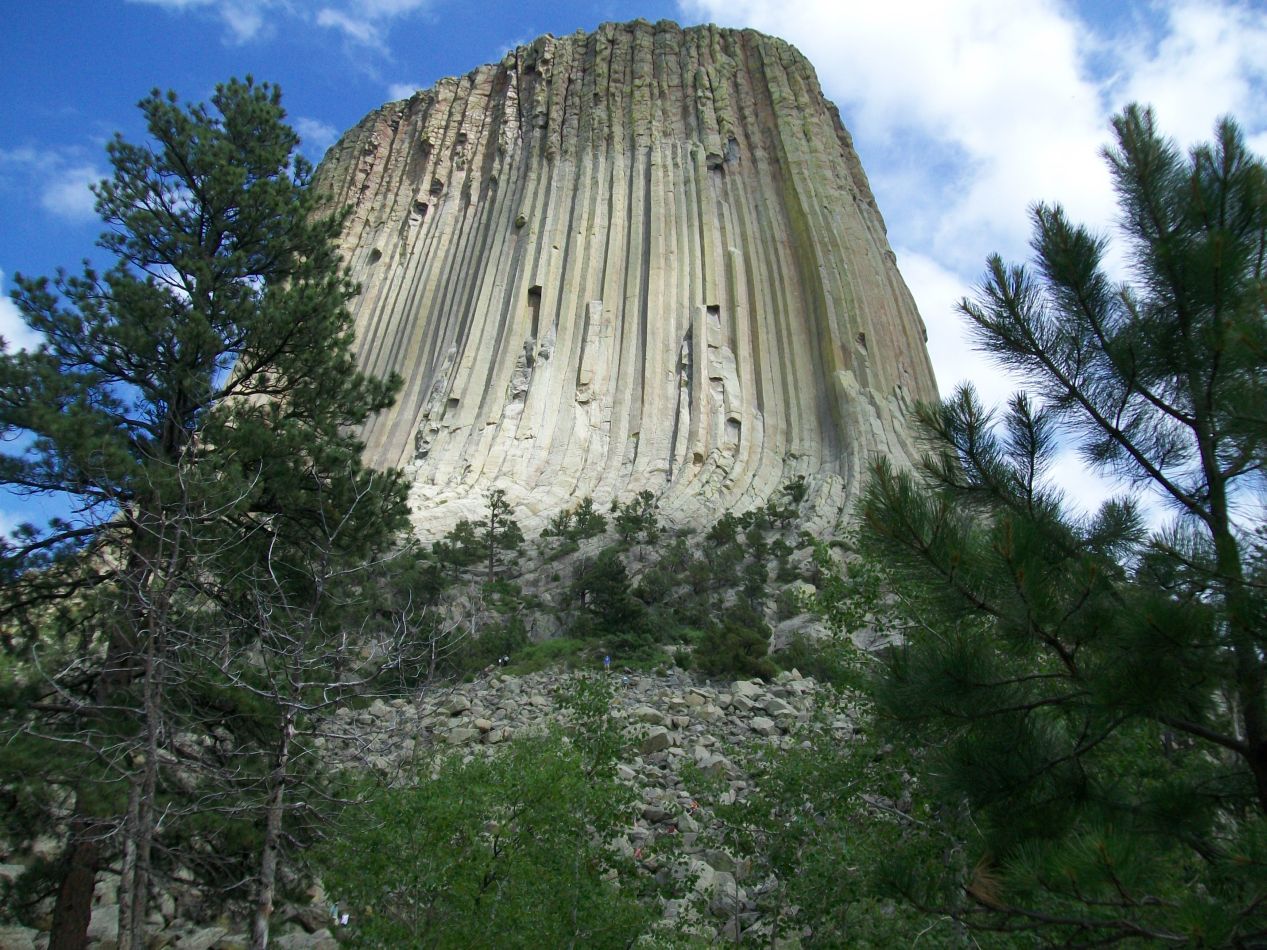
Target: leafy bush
[(576, 524), (495, 643), (737, 645), (724, 531), (608, 608), (500, 852), (822, 659), (461, 546), (560, 651), (638, 519)]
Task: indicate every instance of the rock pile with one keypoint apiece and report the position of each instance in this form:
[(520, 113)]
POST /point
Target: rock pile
[(687, 740), (686, 743)]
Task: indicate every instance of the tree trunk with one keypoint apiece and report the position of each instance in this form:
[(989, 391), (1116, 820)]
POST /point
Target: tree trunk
[(272, 834), (73, 909), (140, 896), (127, 873), (142, 820)]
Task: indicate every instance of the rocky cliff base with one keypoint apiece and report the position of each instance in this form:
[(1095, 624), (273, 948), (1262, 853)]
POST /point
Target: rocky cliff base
[(688, 741)]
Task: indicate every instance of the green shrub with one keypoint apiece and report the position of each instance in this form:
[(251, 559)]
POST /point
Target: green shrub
[(755, 576), (607, 607), (501, 852), (737, 645), (494, 643), (566, 547), (576, 524), (789, 603), (638, 519), (832, 661), (461, 547), (560, 651), (725, 531)]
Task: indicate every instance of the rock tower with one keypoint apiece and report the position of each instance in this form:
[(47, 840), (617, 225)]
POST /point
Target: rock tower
[(645, 257)]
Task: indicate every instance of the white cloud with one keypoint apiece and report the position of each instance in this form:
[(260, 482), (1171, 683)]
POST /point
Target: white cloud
[(522, 40), (62, 179), (9, 523), (17, 335), (68, 192), (997, 91), (402, 90), (359, 29), (244, 22), (246, 19), (1086, 490), (937, 292), (378, 9), (316, 136), (966, 113), (361, 21), (1209, 61)]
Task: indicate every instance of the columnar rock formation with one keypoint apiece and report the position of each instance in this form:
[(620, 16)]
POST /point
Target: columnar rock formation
[(641, 258)]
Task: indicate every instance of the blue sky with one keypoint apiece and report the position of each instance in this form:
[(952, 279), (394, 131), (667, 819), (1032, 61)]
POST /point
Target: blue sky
[(964, 111)]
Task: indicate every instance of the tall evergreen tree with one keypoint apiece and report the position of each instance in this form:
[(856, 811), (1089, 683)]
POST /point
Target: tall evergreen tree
[(195, 403), (501, 534), (1089, 693)]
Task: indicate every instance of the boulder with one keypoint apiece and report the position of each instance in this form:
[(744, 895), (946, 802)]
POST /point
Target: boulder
[(764, 727), (656, 740), (104, 924), (321, 940), (205, 938), (13, 937), (749, 689), (649, 715)]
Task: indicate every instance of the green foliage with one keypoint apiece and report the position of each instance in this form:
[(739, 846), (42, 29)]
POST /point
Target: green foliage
[(500, 852), (576, 524), (501, 535), (724, 531), (561, 651), (226, 292), (197, 403), (489, 542), (820, 659), (831, 816), (849, 599), (784, 508), (496, 643), (461, 546), (789, 603), (609, 609), (562, 550), (736, 644), (1091, 694), (755, 575), (638, 519), (688, 589)]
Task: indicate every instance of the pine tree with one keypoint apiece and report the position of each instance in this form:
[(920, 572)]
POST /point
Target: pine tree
[(194, 403), (1088, 693), (502, 534)]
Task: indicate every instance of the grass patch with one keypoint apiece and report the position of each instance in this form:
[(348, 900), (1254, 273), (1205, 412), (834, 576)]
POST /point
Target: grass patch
[(564, 651)]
